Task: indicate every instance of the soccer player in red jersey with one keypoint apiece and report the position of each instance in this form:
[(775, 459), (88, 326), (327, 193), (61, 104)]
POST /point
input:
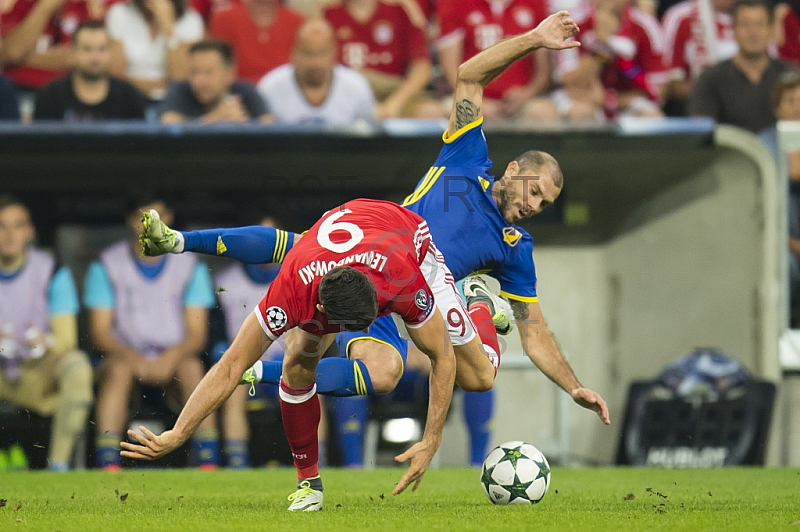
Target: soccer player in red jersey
[(363, 259)]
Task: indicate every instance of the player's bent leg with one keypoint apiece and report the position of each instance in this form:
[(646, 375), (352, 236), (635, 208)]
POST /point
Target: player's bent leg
[(300, 411), (474, 371), (205, 441), (364, 367), (383, 364), (112, 411)]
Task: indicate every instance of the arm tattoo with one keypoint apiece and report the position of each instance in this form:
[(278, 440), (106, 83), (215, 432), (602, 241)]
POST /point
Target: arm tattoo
[(466, 112), (520, 309)]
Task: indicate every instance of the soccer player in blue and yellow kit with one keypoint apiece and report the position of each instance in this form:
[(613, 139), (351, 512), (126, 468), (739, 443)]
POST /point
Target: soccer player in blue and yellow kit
[(472, 218)]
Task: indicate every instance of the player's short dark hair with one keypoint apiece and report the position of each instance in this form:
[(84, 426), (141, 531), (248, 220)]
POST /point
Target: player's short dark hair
[(534, 161), (9, 200), (224, 49), (349, 298), (87, 25), (764, 4)]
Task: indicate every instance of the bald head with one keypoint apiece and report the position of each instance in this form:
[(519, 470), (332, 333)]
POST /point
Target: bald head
[(314, 53)]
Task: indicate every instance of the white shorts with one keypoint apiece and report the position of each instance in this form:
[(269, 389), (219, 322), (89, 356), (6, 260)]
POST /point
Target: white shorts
[(447, 299)]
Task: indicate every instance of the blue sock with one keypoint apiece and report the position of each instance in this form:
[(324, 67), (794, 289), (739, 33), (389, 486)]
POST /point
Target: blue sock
[(236, 455), (205, 445), (349, 419), (254, 244), (478, 410), (107, 450), (337, 377)]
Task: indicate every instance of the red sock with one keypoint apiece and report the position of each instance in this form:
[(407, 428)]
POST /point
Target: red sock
[(300, 412), (482, 318)]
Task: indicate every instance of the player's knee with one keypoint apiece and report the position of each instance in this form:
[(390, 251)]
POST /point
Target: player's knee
[(384, 380), (384, 365)]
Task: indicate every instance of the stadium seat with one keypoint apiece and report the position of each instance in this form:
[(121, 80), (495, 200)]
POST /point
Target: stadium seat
[(659, 430)]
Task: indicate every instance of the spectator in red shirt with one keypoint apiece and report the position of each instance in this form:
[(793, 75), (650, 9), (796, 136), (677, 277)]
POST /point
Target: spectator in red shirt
[(619, 68), (261, 33), (699, 34), (36, 38), (787, 30), (386, 43), (470, 26)]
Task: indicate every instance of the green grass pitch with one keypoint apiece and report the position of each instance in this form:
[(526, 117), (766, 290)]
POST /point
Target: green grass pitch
[(449, 499)]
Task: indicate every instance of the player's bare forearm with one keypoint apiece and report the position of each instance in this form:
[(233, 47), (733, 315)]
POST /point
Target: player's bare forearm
[(475, 73), (219, 383), (550, 33), (540, 346), (433, 340)]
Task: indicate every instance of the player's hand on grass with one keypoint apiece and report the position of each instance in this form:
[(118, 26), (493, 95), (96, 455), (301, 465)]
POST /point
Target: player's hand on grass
[(592, 401), (554, 31), (420, 454), (151, 446)]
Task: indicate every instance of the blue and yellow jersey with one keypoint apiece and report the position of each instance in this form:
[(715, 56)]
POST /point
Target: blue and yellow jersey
[(455, 199)]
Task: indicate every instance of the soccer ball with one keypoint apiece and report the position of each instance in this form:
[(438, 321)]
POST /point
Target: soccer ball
[(515, 473)]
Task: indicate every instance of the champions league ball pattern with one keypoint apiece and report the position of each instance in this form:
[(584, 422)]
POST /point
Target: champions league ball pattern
[(515, 473)]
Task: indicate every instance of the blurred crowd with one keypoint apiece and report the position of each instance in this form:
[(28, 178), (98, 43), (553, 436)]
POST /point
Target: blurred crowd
[(341, 61)]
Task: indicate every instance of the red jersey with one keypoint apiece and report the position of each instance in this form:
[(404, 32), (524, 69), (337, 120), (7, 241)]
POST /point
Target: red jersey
[(57, 32), (206, 8), (633, 57), (790, 49), (478, 24), (379, 238), (388, 42), (257, 49), (697, 37)]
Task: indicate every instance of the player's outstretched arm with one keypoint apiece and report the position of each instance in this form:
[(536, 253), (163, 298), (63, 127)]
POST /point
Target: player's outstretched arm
[(433, 340), (542, 349), (475, 73), (217, 385)]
